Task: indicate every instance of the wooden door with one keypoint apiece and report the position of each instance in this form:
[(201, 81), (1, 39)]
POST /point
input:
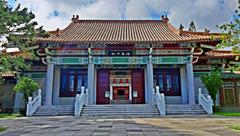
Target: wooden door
[(229, 96), (138, 85), (103, 85)]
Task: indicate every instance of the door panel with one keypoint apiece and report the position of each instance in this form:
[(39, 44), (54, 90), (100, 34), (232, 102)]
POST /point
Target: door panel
[(138, 85), (229, 97), (102, 86)]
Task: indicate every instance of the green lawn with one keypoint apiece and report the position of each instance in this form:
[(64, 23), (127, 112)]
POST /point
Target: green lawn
[(227, 113), (235, 127), (2, 129), (9, 116)]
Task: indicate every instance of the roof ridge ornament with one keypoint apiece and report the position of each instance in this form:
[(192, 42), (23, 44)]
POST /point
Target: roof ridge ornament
[(75, 18), (58, 31), (165, 18), (181, 27)]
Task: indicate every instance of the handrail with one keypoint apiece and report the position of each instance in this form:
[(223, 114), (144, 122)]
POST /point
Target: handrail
[(160, 102), (205, 101), (33, 104), (81, 100)]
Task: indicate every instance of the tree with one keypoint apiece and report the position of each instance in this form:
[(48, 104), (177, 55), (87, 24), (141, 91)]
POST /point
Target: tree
[(213, 82), (26, 86), (232, 33), (20, 30)]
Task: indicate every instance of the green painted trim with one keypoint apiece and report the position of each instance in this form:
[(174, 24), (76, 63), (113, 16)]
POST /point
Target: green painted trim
[(230, 75), (69, 60), (171, 60), (200, 74), (38, 75), (119, 60)]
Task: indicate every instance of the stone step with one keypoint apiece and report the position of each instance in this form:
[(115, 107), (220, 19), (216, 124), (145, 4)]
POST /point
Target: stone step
[(184, 110), (134, 114), (55, 110), (121, 109)]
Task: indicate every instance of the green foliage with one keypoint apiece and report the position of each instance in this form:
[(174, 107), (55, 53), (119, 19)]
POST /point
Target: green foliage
[(27, 86), (231, 114), (21, 31), (232, 33), (2, 129), (9, 116), (235, 127), (213, 82), (234, 68)]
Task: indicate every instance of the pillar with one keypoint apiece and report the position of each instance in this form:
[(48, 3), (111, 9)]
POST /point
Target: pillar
[(56, 87), (149, 81), (190, 84), (145, 84), (91, 80), (49, 85), (184, 90)]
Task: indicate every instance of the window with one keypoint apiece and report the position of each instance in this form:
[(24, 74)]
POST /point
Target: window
[(168, 80), (160, 83), (71, 81)]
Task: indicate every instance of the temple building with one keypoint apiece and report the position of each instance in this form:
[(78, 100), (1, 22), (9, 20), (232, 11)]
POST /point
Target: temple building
[(122, 61)]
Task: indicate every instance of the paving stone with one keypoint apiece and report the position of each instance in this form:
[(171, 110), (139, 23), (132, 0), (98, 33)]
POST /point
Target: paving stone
[(100, 134), (114, 126), (113, 134)]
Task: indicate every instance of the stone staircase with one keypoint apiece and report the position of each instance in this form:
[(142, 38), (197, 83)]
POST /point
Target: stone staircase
[(55, 110), (181, 109), (136, 110)]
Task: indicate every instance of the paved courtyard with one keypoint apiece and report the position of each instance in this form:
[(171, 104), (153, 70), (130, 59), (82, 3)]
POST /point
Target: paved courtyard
[(118, 126)]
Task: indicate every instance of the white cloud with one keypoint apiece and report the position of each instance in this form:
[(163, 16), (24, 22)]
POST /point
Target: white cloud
[(205, 13)]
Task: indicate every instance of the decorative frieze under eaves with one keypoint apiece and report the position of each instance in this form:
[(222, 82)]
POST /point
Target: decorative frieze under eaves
[(118, 60)]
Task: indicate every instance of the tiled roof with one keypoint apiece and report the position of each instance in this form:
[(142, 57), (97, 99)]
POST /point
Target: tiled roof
[(201, 36), (235, 74), (8, 74), (220, 54), (122, 31)]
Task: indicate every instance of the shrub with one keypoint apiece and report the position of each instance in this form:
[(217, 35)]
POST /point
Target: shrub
[(26, 86), (213, 82)]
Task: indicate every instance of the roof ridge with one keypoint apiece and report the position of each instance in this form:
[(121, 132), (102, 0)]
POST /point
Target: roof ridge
[(118, 20), (199, 33), (174, 29)]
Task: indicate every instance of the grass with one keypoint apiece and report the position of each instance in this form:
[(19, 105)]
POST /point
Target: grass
[(235, 127), (9, 116), (233, 114), (2, 129)]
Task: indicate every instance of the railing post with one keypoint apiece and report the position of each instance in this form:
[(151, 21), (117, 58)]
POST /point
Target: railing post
[(76, 105), (40, 97), (157, 90), (199, 96), (210, 101), (29, 107), (86, 97), (82, 94), (154, 96), (162, 109)]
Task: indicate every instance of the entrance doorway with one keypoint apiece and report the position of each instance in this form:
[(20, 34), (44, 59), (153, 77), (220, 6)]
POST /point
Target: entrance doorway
[(121, 93)]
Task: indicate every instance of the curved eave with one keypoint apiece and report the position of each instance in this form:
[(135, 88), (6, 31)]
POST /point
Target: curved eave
[(121, 42)]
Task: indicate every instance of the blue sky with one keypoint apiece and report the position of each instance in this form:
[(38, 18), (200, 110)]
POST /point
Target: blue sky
[(54, 14)]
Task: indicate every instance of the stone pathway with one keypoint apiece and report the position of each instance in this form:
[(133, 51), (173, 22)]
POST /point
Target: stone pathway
[(118, 126)]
